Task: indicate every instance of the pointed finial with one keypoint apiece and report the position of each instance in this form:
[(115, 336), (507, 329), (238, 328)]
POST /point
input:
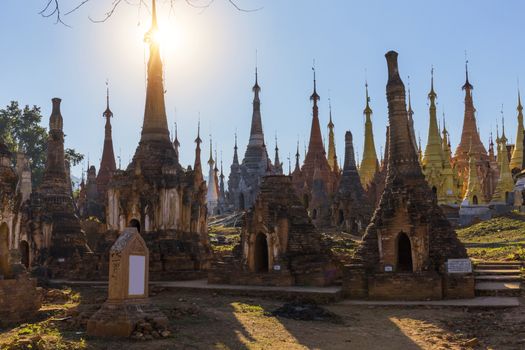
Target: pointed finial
[(107, 94), (432, 94), (315, 96), (198, 139), (256, 88), (276, 147), (467, 83), (235, 141), (502, 125), (210, 161), (107, 113), (520, 108)]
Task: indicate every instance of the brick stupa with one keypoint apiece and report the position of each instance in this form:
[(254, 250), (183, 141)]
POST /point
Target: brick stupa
[(409, 240)]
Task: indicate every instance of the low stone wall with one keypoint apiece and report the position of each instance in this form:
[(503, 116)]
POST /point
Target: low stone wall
[(409, 286), (458, 286), (20, 299), (355, 282)]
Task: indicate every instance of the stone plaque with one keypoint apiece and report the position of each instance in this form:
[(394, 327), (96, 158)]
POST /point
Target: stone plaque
[(459, 266), (137, 275)]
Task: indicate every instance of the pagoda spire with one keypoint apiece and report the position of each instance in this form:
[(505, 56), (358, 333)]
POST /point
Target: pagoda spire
[(505, 184), (470, 131), (403, 158), (332, 155), (155, 126), (222, 193), (473, 195), (297, 156), (369, 164), (256, 131), (517, 153), (411, 119), (277, 163), (107, 162), (197, 166), (55, 164), (212, 196), (235, 154), (315, 145), (433, 157), (176, 143)]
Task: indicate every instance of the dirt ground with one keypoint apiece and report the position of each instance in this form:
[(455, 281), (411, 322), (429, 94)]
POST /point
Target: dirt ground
[(210, 321)]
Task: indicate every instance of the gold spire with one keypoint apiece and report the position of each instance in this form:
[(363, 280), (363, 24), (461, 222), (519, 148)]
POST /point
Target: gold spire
[(505, 182), (332, 156), (369, 164), (450, 182), (517, 154), (155, 125), (473, 195), (433, 151)]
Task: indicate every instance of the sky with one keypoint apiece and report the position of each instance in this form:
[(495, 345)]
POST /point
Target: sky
[(209, 60)]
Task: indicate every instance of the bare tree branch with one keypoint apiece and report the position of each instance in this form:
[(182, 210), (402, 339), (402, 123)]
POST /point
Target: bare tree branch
[(243, 9), (108, 14), (56, 12), (53, 8)]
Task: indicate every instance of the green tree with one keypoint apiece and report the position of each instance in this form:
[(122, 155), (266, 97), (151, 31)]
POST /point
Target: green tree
[(73, 157), (21, 130)]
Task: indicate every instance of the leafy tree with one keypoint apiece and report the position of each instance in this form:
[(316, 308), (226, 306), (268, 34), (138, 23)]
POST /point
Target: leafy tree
[(73, 157), (21, 130)]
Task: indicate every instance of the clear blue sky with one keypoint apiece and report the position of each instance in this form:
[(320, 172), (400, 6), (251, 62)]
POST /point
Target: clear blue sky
[(211, 69)]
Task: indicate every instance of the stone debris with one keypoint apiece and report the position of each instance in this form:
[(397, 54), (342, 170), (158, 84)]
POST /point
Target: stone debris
[(305, 311), (148, 329)]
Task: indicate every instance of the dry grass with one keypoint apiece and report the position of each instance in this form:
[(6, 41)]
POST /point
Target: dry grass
[(501, 238)]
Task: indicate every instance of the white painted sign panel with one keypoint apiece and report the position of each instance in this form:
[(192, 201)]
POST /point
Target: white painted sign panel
[(137, 274), (459, 266)]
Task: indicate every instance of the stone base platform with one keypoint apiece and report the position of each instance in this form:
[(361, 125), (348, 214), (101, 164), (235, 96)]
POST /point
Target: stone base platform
[(119, 319), (481, 302), (320, 294)]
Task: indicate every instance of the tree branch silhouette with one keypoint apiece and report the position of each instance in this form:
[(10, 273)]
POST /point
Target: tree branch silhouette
[(53, 8)]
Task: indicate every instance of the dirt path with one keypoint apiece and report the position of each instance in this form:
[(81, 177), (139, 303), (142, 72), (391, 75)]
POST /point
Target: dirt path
[(211, 321)]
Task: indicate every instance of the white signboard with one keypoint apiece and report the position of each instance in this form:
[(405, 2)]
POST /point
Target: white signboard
[(137, 274), (459, 266), (277, 267), (389, 268)]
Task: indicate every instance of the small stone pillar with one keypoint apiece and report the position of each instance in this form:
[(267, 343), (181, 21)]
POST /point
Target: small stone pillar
[(128, 302)]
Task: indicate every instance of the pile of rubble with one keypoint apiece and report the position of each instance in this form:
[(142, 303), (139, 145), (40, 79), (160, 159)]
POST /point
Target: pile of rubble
[(306, 311), (149, 330)]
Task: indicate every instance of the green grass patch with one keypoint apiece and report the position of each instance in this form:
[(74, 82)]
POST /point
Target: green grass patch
[(247, 308), (500, 238)]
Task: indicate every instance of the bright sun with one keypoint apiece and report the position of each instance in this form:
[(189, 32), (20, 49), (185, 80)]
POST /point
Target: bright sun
[(168, 37)]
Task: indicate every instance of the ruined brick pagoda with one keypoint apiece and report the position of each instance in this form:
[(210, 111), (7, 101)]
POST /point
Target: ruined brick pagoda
[(316, 181), (166, 202), (487, 175), (351, 209), (409, 240), (107, 163), (55, 225), (279, 244)]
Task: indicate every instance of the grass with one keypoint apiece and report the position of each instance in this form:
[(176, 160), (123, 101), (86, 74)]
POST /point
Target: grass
[(247, 308), (501, 238), (230, 237)]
